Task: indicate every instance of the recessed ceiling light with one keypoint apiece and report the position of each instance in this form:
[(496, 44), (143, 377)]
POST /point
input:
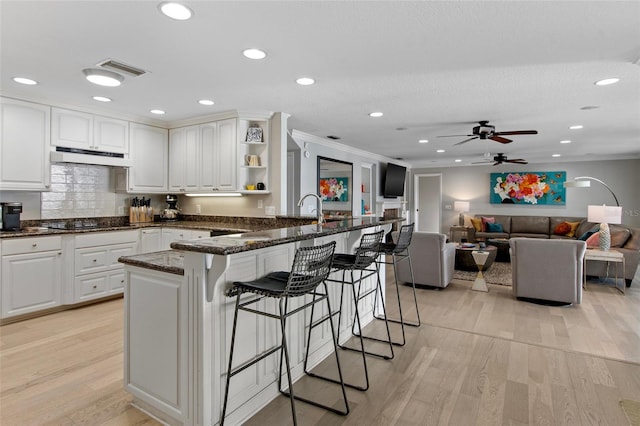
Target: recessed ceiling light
[(175, 10), (157, 111), (576, 127), (565, 141), (206, 102), (101, 99), (103, 77), (457, 160), (305, 81), (555, 155), (23, 80), (375, 114), (607, 81), (440, 150), (254, 53), (423, 141)]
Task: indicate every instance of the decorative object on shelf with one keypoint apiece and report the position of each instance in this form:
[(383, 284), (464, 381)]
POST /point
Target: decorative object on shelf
[(462, 207), (540, 188), (250, 187), (254, 134), (260, 186), (584, 182), (604, 215), (334, 189), (252, 160)]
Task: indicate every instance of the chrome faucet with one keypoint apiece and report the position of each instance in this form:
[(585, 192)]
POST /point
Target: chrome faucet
[(318, 210)]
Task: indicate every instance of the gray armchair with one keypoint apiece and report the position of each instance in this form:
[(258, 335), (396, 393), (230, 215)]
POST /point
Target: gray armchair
[(547, 269), (432, 258)]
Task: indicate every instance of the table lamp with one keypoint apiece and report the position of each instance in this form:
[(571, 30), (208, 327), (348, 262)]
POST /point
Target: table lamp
[(462, 207), (604, 215)]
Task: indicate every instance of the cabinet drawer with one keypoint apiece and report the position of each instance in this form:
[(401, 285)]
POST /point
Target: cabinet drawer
[(96, 239), (116, 282), (91, 286), (91, 260), (31, 245), (120, 250)]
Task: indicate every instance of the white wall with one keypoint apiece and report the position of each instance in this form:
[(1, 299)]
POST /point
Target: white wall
[(471, 183)]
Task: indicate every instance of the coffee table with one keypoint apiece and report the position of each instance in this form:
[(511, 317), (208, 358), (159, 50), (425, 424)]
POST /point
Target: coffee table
[(502, 244), (464, 258)]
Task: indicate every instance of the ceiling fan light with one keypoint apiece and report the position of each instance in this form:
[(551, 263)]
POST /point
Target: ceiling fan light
[(103, 77)]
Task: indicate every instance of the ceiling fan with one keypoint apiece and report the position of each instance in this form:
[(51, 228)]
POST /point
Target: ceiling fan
[(487, 131), (501, 158)]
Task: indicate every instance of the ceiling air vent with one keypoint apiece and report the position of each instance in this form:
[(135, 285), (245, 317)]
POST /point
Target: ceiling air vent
[(120, 67)]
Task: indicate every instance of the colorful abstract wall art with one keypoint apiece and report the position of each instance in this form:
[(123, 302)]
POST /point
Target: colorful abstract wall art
[(334, 189), (537, 188)]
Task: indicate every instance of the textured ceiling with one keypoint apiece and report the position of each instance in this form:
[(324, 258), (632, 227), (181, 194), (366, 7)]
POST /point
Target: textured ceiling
[(433, 68)]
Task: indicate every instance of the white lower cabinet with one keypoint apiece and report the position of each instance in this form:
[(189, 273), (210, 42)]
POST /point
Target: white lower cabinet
[(31, 275), (169, 235), (97, 272), (150, 240)]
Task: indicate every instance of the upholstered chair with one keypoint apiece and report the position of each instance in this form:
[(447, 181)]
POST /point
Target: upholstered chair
[(433, 260), (547, 269)]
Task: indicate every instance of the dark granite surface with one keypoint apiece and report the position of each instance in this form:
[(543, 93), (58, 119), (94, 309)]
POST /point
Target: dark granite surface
[(241, 242), (171, 261)]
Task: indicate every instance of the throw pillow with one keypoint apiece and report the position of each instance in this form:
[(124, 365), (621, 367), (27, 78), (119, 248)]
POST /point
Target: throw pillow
[(594, 240), (562, 229), (477, 224), (586, 235), (486, 220), (574, 226), (467, 221), (494, 227)]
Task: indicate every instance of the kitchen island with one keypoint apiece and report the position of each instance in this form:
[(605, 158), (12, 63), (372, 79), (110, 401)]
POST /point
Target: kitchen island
[(178, 320)]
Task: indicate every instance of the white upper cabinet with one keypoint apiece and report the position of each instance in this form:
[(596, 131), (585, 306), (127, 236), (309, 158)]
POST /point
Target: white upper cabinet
[(218, 160), (150, 156), (24, 129), (203, 158), (74, 129)]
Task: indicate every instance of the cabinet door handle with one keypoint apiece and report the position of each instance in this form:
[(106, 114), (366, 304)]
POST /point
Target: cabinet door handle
[(95, 260), (122, 281), (95, 286), (34, 245)]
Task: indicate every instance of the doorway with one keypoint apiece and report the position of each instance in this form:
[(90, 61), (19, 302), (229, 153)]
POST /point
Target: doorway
[(428, 202)]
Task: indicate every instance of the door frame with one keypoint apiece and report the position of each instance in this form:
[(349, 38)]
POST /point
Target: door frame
[(416, 197)]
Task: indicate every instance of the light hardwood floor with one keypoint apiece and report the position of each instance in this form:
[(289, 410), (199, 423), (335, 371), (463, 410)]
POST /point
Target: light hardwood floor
[(478, 359)]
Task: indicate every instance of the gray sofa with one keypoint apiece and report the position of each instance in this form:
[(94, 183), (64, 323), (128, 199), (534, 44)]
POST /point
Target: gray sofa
[(624, 239)]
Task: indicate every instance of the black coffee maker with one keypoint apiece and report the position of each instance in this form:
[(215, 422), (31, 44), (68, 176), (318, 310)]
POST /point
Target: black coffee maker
[(10, 219)]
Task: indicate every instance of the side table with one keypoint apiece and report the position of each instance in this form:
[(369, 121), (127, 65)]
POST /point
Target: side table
[(480, 257), (609, 256), (458, 233)]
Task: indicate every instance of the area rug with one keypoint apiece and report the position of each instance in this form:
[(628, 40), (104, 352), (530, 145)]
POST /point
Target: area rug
[(632, 410), (499, 273)]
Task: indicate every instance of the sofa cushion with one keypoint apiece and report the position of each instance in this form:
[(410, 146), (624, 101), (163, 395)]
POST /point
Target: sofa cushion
[(494, 227), (563, 228), (619, 236), (486, 220), (574, 227), (633, 243), (530, 225)]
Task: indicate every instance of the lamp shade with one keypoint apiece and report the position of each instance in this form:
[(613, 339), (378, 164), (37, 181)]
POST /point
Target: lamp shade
[(461, 206), (604, 214)]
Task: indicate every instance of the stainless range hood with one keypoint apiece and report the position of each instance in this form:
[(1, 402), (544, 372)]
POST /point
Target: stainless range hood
[(84, 156)]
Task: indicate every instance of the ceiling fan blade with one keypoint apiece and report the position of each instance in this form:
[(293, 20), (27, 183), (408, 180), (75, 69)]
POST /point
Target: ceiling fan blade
[(465, 141), (497, 163), (518, 132), (517, 160), (453, 136), (500, 139)]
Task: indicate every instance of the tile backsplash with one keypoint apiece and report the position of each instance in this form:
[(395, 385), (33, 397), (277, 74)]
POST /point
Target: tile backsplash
[(79, 190)]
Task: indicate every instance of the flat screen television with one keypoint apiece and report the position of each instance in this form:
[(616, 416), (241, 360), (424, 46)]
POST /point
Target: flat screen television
[(393, 185)]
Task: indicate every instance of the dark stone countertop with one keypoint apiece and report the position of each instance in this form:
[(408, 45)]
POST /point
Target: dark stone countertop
[(172, 261)]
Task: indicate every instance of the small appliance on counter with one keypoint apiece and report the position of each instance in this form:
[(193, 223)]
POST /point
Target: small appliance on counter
[(172, 210), (10, 219)]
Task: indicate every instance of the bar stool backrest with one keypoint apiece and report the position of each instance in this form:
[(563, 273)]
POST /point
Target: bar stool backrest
[(368, 250), (311, 266), (404, 238)]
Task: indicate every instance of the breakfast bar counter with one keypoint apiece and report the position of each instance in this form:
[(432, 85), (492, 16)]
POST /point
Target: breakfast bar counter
[(178, 320)]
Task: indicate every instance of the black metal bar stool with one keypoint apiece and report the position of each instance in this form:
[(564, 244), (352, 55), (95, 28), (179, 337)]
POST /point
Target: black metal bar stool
[(399, 252), (311, 266), (364, 262)]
